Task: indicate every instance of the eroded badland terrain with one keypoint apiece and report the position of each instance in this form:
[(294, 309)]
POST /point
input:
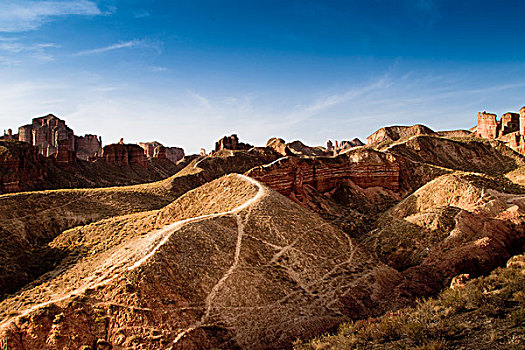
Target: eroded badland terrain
[(413, 240)]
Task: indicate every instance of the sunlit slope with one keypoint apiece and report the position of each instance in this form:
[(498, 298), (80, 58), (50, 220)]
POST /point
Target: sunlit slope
[(31, 219), (231, 263)]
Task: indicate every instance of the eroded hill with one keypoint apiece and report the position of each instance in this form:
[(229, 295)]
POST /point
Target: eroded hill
[(249, 270), (194, 262)]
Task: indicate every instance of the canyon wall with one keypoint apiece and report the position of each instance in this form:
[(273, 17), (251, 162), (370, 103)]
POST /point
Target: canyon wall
[(120, 154), (88, 147), (366, 168), (21, 168)]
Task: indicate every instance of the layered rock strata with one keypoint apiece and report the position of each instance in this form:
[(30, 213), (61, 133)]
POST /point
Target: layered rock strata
[(367, 168), (124, 154)]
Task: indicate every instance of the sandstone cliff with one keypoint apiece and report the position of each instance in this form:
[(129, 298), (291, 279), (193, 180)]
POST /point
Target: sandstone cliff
[(124, 154), (21, 167)]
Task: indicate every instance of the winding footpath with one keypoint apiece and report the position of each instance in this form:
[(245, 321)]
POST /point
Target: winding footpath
[(160, 238)]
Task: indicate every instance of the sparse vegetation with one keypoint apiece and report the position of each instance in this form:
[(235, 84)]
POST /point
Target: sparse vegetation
[(486, 313)]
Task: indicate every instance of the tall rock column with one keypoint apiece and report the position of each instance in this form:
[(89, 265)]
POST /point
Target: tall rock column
[(522, 121)]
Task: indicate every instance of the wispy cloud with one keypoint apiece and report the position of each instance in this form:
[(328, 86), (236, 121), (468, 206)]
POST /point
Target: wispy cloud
[(303, 112), (13, 51), (18, 47), (121, 45), (25, 15)]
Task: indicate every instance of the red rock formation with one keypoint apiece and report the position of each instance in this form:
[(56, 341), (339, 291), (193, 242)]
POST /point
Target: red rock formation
[(487, 125), (522, 120), (21, 168), (46, 132), (88, 146), (366, 168), (160, 152), (510, 128), (124, 154), (296, 148), (342, 146), (510, 122), (231, 143), (172, 153), (64, 156), (8, 135), (149, 148), (280, 146)]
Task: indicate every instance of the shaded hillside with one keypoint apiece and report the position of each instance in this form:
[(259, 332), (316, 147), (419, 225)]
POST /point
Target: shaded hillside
[(484, 313), (252, 270), (29, 220)]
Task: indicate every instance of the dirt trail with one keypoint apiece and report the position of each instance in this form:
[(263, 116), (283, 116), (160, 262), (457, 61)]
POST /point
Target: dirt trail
[(122, 260)]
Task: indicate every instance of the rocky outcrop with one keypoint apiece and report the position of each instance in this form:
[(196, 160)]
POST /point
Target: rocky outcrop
[(149, 148), (120, 154), (455, 133), (172, 153), (8, 135), (291, 176), (510, 128), (456, 224), (160, 152), (342, 146), (21, 167), (46, 132), (296, 148), (64, 156), (394, 133), (231, 143), (88, 147), (488, 126)]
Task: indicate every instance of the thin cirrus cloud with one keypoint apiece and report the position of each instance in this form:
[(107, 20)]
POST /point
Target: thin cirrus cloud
[(26, 15), (14, 52), (15, 46), (120, 45)]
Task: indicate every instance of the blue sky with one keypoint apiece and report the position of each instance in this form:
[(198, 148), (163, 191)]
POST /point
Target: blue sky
[(186, 73)]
